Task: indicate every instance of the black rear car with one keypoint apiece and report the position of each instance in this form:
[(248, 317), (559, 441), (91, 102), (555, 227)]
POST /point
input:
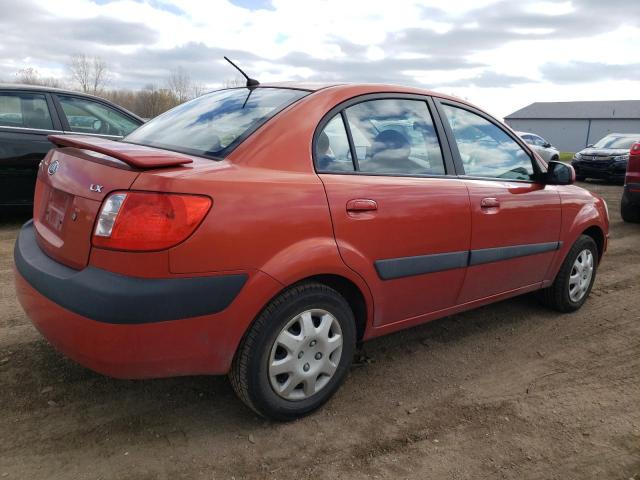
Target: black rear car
[(607, 159), (29, 113)]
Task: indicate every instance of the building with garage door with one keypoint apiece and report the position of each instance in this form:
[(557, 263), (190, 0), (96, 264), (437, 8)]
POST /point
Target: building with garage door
[(571, 126)]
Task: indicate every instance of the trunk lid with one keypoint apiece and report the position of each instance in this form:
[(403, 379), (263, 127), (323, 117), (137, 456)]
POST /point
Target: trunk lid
[(70, 188), (72, 183)]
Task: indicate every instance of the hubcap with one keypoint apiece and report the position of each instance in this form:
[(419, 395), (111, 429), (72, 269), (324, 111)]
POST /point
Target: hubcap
[(305, 355), (581, 274)]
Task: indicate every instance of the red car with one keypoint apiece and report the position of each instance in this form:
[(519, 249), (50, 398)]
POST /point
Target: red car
[(264, 232), (630, 204)]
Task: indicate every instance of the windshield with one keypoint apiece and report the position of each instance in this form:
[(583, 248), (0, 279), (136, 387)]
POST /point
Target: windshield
[(214, 124), (617, 141)]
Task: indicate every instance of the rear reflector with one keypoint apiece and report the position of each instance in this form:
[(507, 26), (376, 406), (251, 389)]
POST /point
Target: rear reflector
[(146, 221)]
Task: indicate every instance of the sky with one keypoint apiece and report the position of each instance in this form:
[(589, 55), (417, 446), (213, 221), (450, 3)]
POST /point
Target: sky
[(498, 54)]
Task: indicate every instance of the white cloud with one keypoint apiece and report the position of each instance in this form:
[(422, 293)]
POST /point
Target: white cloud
[(503, 49)]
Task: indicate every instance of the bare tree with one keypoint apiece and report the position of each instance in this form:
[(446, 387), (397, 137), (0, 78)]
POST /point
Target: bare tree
[(152, 101), (100, 74), (198, 89), (234, 82), (90, 73), (180, 85), (31, 76), (28, 76)]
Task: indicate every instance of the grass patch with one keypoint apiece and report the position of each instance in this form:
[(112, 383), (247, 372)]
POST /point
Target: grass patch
[(566, 156)]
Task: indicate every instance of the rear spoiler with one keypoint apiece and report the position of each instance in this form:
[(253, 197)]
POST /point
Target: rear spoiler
[(137, 156)]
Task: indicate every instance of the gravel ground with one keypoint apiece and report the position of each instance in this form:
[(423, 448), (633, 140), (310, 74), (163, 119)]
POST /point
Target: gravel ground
[(511, 391)]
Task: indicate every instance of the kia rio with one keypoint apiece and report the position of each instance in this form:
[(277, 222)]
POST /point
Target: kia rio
[(264, 232)]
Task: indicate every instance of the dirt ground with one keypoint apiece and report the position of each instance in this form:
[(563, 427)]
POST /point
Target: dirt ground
[(510, 391)]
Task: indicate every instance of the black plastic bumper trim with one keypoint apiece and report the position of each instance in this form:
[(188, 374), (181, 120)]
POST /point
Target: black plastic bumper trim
[(113, 298)]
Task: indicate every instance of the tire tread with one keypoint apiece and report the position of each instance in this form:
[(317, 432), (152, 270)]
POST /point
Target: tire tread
[(554, 296)]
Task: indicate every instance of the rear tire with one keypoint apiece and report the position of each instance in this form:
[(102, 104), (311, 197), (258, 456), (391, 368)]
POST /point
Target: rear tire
[(289, 362), (580, 178), (630, 213), (573, 283)]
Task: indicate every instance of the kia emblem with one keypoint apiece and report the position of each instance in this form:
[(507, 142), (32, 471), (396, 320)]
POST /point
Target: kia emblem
[(53, 167)]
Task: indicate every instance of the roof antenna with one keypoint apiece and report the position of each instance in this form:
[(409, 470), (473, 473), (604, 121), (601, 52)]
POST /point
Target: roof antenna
[(251, 82)]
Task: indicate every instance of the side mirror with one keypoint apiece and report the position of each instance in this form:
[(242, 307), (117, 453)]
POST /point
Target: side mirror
[(559, 173), (590, 145), (546, 145)]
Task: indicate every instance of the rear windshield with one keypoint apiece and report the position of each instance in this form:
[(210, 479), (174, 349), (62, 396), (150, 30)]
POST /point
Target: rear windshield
[(616, 141), (214, 124)]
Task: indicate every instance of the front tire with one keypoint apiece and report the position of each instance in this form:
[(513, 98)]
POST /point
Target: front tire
[(296, 354), (575, 279)]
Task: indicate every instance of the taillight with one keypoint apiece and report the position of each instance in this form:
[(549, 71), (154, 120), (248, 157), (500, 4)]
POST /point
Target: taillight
[(634, 158), (144, 221)]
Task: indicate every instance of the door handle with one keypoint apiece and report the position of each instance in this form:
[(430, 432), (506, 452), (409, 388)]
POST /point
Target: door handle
[(490, 203), (361, 205)]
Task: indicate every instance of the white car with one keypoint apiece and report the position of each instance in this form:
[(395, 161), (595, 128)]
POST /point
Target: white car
[(540, 145)]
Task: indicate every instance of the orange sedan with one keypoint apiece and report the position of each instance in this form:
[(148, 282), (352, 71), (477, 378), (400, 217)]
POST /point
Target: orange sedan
[(263, 232)]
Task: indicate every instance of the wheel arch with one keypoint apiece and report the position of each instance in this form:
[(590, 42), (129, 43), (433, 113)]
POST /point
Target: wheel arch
[(359, 301), (351, 293), (597, 234)]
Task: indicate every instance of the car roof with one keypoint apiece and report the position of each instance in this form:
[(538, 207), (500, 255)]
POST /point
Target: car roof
[(613, 134), (527, 133), (368, 87), (40, 88), (310, 86), (355, 89)]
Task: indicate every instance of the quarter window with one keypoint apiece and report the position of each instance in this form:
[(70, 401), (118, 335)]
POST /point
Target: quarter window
[(332, 148), (24, 110), (395, 136), (87, 116), (485, 149)]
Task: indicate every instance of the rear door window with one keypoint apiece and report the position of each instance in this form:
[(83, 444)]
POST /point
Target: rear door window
[(88, 116), (25, 110), (395, 136)]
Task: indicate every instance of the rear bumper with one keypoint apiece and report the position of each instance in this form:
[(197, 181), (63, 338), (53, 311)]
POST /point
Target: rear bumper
[(136, 328), (607, 171), (112, 298)]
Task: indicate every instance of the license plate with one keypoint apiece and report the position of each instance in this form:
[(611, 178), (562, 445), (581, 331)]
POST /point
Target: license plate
[(56, 209)]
